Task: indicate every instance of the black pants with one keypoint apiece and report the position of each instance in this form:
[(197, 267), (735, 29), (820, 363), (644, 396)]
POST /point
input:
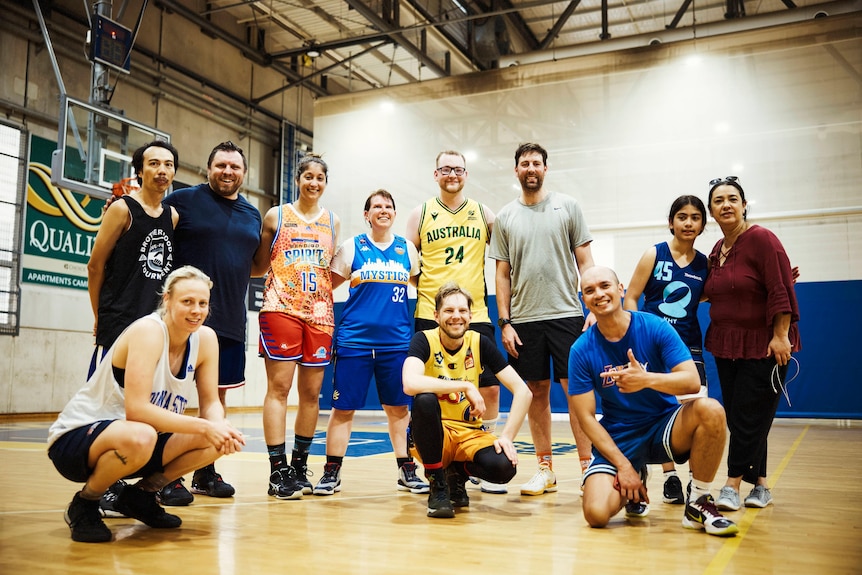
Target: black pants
[(426, 427), (750, 403)]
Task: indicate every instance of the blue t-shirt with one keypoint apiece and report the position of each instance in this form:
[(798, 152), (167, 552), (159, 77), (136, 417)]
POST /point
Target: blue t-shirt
[(655, 345), (673, 293), (377, 312), (219, 237)]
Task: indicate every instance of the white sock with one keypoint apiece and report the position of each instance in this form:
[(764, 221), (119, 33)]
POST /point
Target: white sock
[(699, 488), (669, 474), (490, 425)]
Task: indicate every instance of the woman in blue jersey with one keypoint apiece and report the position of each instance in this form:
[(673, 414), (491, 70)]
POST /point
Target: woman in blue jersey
[(372, 339), (671, 275)]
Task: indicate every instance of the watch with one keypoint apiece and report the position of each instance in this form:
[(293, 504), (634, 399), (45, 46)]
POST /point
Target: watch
[(503, 321)]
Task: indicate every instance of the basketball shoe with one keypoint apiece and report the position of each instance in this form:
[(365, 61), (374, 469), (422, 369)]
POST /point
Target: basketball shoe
[(330, 483), (544, 481), (439, 505), (703, 514), (283, 485), (85, 521), (409, 481), (175, 494)]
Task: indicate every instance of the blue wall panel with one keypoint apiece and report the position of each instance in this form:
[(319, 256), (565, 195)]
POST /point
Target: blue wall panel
[(828, 385)]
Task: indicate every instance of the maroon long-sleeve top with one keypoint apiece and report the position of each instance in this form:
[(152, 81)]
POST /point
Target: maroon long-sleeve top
[(745, 293)]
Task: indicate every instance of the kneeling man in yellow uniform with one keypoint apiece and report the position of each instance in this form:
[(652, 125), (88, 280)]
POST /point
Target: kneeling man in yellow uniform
[(442, 372)]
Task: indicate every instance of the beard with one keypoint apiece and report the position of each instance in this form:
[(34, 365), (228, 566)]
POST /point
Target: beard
[(454, 332), (532, 186), (225, 188)]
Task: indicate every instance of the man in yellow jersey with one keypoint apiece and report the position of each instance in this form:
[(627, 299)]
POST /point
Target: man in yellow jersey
[(442, 372), (452, 233)]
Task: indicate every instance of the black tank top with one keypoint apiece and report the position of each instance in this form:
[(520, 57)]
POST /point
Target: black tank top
[(135, 272)]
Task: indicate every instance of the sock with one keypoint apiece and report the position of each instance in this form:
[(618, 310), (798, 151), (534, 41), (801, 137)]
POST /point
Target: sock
[(545, 458), (669, 474), (301, 447), (277, 459), (490, 425), (402, 460), (699, 488), (335, 459)]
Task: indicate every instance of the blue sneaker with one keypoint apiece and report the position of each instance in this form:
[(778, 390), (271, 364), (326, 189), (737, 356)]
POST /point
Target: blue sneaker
[(409, 481), (330, 483)]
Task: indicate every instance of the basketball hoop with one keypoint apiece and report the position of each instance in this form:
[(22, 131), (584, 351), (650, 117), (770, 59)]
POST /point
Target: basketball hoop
[(125, 186)]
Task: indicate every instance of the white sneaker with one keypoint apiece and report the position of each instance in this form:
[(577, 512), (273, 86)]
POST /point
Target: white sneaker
[(488, 487), (544, 481)]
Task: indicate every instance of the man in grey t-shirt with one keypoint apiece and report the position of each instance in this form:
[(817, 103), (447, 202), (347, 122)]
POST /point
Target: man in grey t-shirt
[(541, 242)]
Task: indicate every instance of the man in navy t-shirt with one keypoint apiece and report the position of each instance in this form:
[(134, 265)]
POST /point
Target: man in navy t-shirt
[(218, 232)]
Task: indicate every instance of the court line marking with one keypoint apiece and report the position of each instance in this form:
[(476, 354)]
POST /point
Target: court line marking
[(721, 560)]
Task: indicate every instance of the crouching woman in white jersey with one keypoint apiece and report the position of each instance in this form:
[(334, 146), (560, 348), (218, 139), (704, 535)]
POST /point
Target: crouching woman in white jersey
[(127, 421)]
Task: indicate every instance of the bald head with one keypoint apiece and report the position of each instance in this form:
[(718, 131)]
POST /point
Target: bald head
[(602, 290), (600, 272)]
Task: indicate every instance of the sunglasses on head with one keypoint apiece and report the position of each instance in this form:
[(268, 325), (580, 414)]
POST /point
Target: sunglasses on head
[(732, 180)]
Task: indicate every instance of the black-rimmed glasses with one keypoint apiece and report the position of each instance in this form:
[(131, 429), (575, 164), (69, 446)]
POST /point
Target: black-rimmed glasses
[(447, 170)]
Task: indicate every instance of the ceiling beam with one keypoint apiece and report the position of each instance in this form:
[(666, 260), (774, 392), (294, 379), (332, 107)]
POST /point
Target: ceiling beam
[(256, 56), (380, 24), (558, 25)]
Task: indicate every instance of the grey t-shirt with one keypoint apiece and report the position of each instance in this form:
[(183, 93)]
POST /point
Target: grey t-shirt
[(539, 242)]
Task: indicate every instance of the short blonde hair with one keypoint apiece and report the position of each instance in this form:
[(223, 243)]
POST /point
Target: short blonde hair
[(179, 274)]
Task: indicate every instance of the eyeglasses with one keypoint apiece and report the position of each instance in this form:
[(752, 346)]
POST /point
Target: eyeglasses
[(457, 170), (732, 180)]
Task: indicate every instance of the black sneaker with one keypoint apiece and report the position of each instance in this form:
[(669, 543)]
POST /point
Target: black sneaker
[(142, 505), (302, 475), (207, 481), (85, 521), (283, 484), (438, 497), (457, 481), (107, 504), (673, 491), (703, 514), (175, 494), (636, 510)]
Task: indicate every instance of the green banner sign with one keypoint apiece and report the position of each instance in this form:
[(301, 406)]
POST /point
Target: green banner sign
[(61, 225)]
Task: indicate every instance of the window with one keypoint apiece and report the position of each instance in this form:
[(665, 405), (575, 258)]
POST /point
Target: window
[(13, 186)]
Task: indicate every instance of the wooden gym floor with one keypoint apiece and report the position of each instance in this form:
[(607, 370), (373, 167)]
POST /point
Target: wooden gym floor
[(815, 526)]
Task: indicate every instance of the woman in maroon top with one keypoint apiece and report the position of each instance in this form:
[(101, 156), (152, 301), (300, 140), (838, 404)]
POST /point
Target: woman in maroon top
[(752, 332)]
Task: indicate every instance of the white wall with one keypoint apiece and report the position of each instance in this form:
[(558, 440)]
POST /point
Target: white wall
[(628, 132)]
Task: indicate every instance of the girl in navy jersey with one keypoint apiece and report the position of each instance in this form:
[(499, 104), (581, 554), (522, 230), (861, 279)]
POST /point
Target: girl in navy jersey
[(671, 275)]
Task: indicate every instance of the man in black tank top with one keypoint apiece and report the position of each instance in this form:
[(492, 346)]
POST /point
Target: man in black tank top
[(132, 255)]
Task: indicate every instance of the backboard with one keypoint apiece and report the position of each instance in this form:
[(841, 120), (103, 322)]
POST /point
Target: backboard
[(95, 146)]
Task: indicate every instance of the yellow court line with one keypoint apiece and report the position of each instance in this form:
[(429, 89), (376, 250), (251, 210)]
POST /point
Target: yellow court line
[(727, 551)]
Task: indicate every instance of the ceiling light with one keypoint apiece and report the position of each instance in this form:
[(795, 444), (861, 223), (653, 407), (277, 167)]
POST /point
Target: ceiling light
[(313, 53)]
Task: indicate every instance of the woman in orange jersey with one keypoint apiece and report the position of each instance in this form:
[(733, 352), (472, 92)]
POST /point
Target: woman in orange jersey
[(297, 243)]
